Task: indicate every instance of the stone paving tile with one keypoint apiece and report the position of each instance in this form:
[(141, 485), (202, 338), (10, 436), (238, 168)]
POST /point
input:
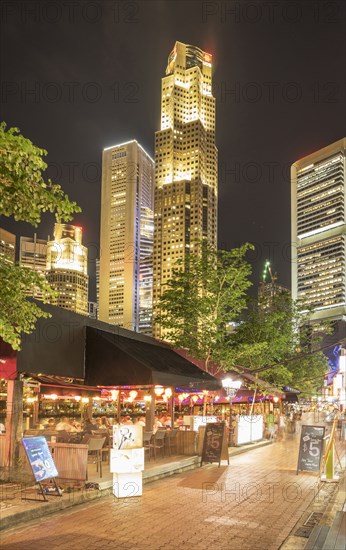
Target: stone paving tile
[(252, 504)]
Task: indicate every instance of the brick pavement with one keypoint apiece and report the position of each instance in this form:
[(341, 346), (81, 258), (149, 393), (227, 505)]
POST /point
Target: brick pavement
[(252, 504)]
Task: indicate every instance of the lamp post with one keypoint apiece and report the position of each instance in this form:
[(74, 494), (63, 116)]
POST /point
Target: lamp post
[(231, 387)]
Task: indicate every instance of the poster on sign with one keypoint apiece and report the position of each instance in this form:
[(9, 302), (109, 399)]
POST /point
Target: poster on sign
[(127, 436), (310, 448), (40, 458)]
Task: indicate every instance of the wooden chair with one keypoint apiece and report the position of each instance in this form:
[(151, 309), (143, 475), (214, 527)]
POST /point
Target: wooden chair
[(146, 442), (95, 445), (107, 446), (158, 442)]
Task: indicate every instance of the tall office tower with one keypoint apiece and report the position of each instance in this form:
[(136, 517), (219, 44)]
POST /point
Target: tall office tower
[(33, 254), (318, 186), (146, 272), (127, 199), (185, 164), (7, 247), (67, 268), (97, 269)]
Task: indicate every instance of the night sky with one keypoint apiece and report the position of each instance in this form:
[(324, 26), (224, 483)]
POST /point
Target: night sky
[(83, 75)]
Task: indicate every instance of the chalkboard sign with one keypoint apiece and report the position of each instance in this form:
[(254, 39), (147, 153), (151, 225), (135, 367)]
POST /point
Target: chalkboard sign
[(310, 448), (213, 443), (41, 461)]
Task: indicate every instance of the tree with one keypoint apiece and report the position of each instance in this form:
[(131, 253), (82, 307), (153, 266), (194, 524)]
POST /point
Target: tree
[(25, 195), (205, 295), (278, 343)]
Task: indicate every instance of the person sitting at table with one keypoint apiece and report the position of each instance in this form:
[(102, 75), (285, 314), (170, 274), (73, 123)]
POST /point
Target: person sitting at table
[(98, 423), (64, 424), (89, 425), (180, 421), (168, 422), (105, 424), (50, 424), (157, 424), (141, 421), (77, 426)]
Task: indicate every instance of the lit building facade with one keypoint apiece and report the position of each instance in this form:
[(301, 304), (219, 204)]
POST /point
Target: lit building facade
[(125, 287), (67, 268), (318, 185), (185, 164), (146, 272), (33, 255), (7, 247)]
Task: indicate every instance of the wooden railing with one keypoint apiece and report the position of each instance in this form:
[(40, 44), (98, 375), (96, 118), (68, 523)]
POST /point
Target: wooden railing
[(71, 460), (2, 450)]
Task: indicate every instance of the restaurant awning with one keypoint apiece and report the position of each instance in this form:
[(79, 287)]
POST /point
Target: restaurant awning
[(112, 359), (100, 354)]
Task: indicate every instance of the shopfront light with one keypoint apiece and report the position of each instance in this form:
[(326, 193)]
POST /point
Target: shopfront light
[(159, 390), (168, 392), (133, 394)]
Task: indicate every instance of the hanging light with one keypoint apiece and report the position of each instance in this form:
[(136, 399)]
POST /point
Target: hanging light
[(114, 394), (133, 394), (168, 392), (195, 398), (276, 399), (85, 399), (77, 398), (147, 398), (53, 396), (159, 390), (181, 397)]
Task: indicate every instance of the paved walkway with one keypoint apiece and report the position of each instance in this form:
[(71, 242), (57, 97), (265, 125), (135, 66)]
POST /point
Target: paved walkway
[(252, 504)]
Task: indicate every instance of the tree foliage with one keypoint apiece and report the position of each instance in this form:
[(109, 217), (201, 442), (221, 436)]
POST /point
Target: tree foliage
[(279, 343), (205, 294), (25, 195), (18, 314), (24, 192)]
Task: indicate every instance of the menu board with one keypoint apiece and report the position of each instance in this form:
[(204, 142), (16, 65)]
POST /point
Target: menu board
[(310, 448), (213, 442), (41, 461)]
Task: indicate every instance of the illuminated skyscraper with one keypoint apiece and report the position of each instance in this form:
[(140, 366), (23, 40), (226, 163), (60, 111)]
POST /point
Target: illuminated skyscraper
[(7, 246), (319, 231), (185, 164), (126, 236), (67, 268), (33, 254)]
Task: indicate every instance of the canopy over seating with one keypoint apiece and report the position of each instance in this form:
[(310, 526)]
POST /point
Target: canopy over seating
[(75, 346)]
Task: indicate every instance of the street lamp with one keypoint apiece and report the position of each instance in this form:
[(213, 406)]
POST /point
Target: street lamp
[(231, 387)]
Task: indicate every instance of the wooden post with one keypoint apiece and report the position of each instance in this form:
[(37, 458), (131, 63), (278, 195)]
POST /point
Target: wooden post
[(172, 408), (14, 420), (150, 412)]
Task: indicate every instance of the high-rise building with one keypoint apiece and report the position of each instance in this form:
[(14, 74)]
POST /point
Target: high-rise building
[(67, 268), (185, 164), (7, 247), (126, 211), (318, 186), (146, 272), (33, 254)]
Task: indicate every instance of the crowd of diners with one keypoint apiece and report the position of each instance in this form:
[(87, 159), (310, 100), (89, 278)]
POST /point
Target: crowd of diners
[(161, 421)]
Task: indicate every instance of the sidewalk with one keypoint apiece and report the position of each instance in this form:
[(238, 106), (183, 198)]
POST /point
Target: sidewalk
[(14, 510), (255, 503)]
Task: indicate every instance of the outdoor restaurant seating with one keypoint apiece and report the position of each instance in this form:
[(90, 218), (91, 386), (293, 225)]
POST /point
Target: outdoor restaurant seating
[(171, 441), (158, 442), (146, 441), (107, 446), (95, 445)]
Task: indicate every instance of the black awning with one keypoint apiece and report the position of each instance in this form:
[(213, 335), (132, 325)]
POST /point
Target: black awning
[(115, 360), (291, 398)]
